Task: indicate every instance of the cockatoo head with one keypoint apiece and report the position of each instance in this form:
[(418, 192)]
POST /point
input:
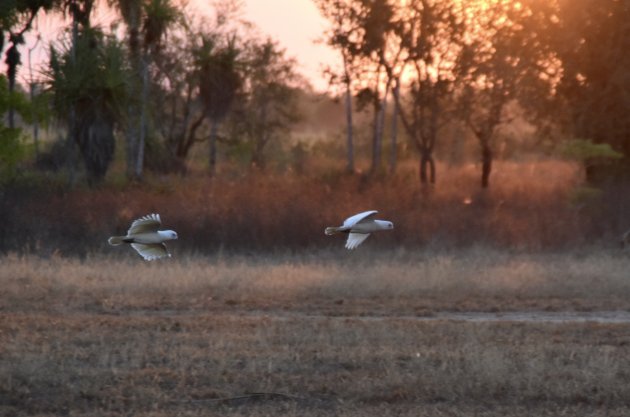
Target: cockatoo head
[(168, 234)]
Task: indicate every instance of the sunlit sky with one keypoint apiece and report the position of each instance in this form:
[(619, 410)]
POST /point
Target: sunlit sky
[(295, 24)]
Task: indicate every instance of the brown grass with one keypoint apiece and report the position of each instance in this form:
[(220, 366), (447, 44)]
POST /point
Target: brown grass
[(322, 333), (398, 282), (529, 205)]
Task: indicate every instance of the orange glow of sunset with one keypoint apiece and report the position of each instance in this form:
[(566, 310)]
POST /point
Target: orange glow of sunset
[(296, 25)]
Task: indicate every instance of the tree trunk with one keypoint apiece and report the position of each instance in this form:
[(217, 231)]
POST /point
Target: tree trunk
[(71, 141), (187, 138), (486, 165), (379, 122), (212, 156), (134, 123), (258, 158), (427, 163), (139, 163), (132, 141), (12, 61), (349, 130), (35, 122), (394, 138)]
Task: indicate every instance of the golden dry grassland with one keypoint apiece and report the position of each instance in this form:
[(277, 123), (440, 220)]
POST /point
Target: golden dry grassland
[(535, 205), (316, 333)]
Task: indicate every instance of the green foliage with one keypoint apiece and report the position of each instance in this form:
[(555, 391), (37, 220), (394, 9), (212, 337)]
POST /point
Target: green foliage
[(15, 100), (219, 75), (159, 15), (267, 106), (88, 81), (11, 149), (585, 151), (94, 74), (596, 158), (584, 196), (594, 54)]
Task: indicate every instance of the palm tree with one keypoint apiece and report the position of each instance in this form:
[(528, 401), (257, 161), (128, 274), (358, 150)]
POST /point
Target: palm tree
[(131, 12), (220, 79), (159, 15), (17, 20), (147, 22), (88, 79)]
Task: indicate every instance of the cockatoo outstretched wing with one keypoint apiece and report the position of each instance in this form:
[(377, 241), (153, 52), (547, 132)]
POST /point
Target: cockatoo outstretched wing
[(147, 224), (355, 239), (152, 251), (358, 218)]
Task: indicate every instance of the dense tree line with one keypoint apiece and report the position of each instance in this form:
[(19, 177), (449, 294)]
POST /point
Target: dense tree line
[(563, 62), (173, 80)]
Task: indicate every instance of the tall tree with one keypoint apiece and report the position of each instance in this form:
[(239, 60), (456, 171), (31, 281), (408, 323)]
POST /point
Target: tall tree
[(220, 78), (158, 16), (79, 11), (147, 22), (592, 43), (10, 147), (342, 35), (181, 114), (267, 106), (361, 31), (378, 51), (393, 152), (501, 58), (131, 12), (89, 78), (16, 18), (431, 34)]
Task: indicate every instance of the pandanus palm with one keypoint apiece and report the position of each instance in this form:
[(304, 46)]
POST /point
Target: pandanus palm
[(147, 23), (89, 80)]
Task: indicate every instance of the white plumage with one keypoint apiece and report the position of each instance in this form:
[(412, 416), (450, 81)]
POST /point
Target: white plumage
[(145, 238), (359, 227)]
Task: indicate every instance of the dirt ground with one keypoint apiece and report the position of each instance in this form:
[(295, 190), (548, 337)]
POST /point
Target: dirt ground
[(311, 337)]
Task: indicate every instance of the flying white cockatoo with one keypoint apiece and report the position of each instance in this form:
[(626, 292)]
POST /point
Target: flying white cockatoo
[(359, 227), (145, 238)]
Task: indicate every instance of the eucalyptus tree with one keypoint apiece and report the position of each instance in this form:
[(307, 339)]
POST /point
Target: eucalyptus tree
[(267, 106), (378, 51), (431, 35), (361, 31), (502, 58), (342, 35), (197, 77), (180, 114)]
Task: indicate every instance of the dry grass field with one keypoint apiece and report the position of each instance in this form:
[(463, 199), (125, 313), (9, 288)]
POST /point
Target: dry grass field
[(536, 205), (313, 334)]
